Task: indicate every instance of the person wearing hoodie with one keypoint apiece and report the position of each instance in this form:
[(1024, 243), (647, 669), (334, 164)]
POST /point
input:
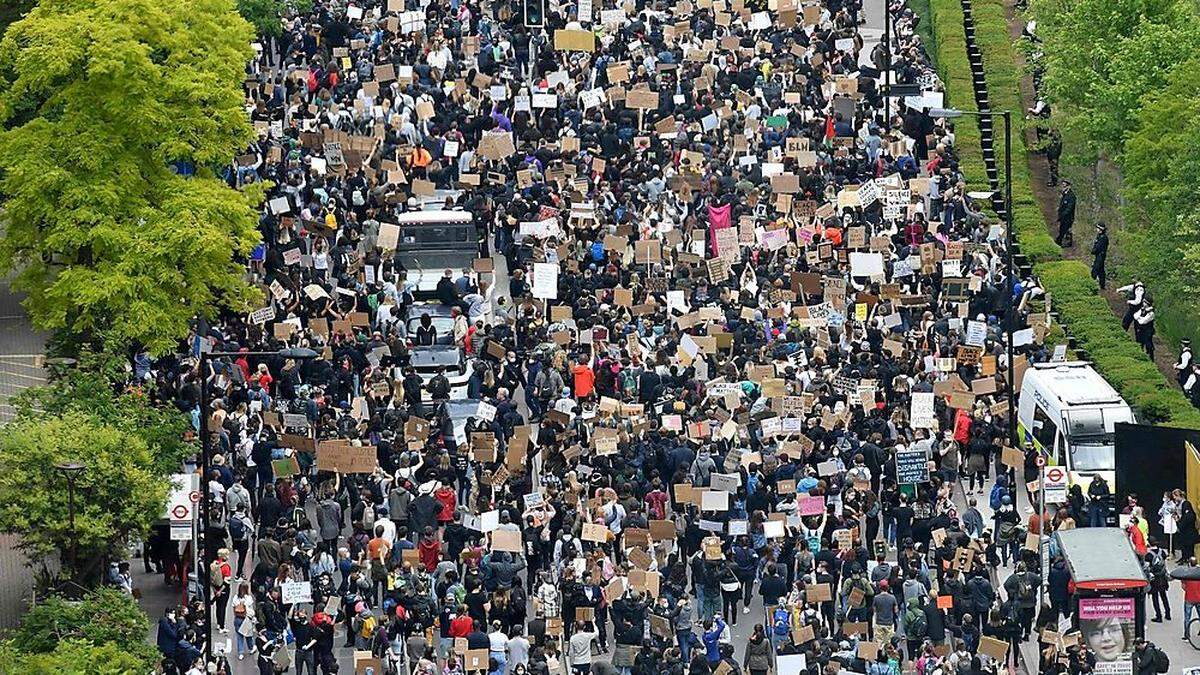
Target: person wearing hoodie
[(702, 468), (500, 569), (980, 596), (424, 510), (759, 653)]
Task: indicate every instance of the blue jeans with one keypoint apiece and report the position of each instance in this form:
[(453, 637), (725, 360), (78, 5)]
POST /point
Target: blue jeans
[(1096, 514), (684, 638), (244, 644), (1187, 616)]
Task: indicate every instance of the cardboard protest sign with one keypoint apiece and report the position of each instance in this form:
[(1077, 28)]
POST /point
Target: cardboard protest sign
[(346, 458), (574, 40)]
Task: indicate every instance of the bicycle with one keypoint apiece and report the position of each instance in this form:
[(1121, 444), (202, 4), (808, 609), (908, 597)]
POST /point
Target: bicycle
[(1192, 631)]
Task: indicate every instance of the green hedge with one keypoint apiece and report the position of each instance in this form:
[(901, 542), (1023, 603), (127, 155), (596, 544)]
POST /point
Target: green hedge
[(1074, 295), (1004, 92), (1073, 292), (950, 55)]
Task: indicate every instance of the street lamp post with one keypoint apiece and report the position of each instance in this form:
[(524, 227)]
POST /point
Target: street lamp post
[(207, 550), (1010, 318), (71, 471)]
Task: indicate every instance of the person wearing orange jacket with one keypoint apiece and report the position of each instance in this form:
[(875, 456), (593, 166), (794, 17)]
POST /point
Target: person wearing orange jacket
[(418, 161)]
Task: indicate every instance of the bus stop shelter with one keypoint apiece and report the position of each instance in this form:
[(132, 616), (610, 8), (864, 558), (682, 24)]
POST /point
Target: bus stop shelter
[(1109, 587)]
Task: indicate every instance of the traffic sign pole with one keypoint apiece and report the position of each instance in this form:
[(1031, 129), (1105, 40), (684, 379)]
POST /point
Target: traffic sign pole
[(1043, 553)]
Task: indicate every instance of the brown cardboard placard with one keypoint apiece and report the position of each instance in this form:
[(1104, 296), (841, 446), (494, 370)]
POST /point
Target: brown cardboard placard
[(346, 458), (574, 40)]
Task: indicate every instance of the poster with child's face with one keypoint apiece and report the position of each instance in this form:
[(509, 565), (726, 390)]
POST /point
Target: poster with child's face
[(1107, 629)]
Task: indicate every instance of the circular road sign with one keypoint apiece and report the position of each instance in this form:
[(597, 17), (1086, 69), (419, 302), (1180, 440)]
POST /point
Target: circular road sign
[(1055, 474), (194, 495), (1041, 461), (180, 511)]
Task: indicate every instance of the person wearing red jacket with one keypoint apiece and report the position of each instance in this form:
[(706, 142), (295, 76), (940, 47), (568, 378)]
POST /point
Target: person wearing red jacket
[(962, 427), (449, 502), (429, 550), (1191, 600), (1136, 537)]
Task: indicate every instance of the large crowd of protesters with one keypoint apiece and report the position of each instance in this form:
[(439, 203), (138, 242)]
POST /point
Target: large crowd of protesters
[(735, 359)]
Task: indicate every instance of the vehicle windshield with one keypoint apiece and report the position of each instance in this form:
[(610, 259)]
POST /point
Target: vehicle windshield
[(441, 235), (1089, 456)]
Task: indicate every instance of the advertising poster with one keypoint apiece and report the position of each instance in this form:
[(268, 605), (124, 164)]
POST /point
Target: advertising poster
[(1107, 627)]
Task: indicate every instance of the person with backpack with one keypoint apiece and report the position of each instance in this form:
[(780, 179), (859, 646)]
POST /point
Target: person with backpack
[(781, 625), (1148, 659), (914, 625), (364, 624), (1156, 570), (1022, 590), (241, 528), (856, 596), (1008, 530)]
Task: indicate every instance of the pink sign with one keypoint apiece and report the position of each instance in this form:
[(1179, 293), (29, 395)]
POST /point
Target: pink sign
[(1105, 608), (811, 506)]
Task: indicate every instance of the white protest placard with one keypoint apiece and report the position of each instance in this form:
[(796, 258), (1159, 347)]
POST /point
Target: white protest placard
[(545, 281), (791, 664), (293, 592), (280, 205), (866, 264), (773, 529), (261, 316), (590, 98), (545, 101), (489, 520), (921, 410), (676, 300), (486, 411), (714, 500), (976, 333)]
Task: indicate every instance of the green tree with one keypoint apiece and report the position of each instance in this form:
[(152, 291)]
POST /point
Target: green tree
[(89, 390), (1102, 56), (100, 102), (1161, 165), (103, 616), (75, 658), (264, 15), (120, 494)]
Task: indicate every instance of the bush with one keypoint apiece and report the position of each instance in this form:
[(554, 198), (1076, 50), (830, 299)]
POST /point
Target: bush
[(103, 617), (75, 658), (950, 55), (1004, 92), (1122, 361), (120, 494)]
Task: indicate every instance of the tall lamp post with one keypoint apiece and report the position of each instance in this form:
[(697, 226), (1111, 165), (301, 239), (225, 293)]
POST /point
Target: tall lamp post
[(71, 471), (1010, 307), (208, 551)]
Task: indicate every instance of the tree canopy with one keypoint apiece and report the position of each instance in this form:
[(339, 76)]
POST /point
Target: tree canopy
[(102, 103), (121, 493)]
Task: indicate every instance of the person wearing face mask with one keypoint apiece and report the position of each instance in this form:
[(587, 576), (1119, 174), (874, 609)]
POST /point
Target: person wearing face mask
[(169, 633)]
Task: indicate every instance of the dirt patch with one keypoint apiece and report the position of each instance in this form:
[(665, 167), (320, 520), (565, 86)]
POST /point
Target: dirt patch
[(1047, 197)]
